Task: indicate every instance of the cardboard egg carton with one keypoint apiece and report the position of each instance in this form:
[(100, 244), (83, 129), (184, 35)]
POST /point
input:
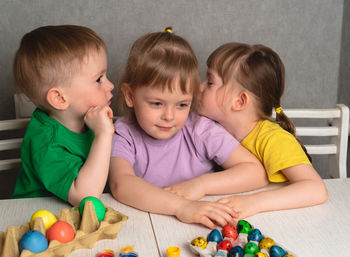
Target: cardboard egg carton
[(88, 230)]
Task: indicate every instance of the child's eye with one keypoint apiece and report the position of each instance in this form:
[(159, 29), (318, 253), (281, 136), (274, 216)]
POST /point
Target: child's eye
[(184, 105), (157, 104), (99, 79), (209, 83)]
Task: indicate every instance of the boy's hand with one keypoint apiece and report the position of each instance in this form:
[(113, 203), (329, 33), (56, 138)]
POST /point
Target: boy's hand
[(206, 213), (100, 120), (189, 189), (243, 205)]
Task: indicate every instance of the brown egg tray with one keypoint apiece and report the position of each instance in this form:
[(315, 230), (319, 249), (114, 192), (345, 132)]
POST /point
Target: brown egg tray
[(88, 230)]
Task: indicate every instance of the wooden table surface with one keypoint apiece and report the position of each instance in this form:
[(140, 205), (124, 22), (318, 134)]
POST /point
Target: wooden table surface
[(322, 230)]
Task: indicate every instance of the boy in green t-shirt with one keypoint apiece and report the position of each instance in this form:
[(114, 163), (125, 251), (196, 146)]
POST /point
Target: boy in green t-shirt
[(66, 149)]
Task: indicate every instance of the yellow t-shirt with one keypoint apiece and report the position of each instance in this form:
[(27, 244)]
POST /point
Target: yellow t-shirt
[(276, 148)]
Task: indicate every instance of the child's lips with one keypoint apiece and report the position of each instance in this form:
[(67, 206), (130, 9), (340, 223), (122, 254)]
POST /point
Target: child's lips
[(163, 128)]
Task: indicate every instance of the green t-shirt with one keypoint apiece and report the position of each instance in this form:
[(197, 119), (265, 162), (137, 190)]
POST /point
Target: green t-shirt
[(52, 156)]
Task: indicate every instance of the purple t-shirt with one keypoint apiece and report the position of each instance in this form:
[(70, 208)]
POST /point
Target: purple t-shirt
[(192, 151)]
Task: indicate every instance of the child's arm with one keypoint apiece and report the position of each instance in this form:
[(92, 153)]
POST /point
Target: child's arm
[(129, 189), (93, 174), (243, 172), (306, 188)]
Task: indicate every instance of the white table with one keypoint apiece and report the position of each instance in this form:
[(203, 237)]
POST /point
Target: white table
[(317, 231), (322, 230)]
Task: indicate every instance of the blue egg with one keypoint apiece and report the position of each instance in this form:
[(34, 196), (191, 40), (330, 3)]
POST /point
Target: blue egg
[(276, 251), (255, 235), (33, 241), (236, 251), (214, 236)]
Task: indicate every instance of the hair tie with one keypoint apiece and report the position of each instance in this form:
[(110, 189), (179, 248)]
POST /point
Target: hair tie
[(168, 29), (278, 109)]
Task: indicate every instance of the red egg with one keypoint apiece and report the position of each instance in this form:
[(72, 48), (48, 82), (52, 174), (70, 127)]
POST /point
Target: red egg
[(229, 231), (224, 245), (60, 231)]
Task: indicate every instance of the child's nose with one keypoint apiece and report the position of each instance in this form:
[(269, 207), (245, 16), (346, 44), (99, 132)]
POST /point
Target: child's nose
[(109, 85), (168, 114)]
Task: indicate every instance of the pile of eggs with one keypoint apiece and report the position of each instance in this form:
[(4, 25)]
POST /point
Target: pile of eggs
[(241, 242), (61, 231)]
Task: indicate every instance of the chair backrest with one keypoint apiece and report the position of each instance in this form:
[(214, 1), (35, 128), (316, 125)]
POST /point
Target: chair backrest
[(338, 131), (9, 144)]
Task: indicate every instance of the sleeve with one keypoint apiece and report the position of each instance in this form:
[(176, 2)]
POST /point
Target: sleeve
[(122, 143), (213, 141), (57, 168), (280, 151)]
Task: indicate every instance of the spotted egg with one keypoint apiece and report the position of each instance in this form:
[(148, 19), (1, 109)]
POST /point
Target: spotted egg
[(236, 251), (214, 236), (276, 251), (266, 243), (255, 235), (200, 242), (244, 226)]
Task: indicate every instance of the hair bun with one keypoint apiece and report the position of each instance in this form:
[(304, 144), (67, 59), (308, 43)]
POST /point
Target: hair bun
[(168, 29)]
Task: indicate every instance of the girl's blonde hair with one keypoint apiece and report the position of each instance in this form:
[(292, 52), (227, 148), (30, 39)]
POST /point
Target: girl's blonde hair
[(51, 55), (155, 60), (259, 70)]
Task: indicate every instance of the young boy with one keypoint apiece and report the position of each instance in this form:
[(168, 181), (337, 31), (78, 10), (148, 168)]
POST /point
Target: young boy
[(66, 149)]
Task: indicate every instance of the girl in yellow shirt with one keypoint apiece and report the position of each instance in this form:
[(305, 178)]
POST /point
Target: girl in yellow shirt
[(244, 84)]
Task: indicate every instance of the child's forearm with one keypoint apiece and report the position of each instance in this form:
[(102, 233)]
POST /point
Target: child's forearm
[(93, 174), (134, 191), (242, 177), (297, 195)]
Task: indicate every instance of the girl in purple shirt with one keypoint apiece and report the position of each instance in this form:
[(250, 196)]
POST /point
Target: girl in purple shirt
[(159, 142)]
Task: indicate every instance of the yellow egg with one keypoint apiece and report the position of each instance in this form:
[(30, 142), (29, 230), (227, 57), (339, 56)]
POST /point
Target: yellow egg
[(260, 254), (48, 218), (200, 241), (266, 243)]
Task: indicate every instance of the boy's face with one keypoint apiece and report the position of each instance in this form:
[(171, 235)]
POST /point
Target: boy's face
[(90, 87), (160, 113)]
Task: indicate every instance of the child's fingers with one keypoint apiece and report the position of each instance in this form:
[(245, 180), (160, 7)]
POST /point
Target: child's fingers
[(234, 213), (222, 217), (109, 112), (207, 222)]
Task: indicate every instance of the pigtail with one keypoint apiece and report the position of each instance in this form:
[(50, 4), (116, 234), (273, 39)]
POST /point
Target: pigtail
[(286, 123)]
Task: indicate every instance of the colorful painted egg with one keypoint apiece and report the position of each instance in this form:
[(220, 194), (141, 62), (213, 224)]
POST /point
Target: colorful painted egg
[(266, 243), (199, 241), (244, 227), (214, 236), (230, 231), (33, 241), (225, 245), (251, 248), (48, 218), (255, 235), (260, 254), (276, 251), (236, 251)]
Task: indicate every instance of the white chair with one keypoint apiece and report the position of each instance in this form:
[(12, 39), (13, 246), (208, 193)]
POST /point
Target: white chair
[(9, 144), (338, 130)]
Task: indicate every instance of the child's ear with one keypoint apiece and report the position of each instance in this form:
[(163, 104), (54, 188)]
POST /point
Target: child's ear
[(241, 101), (128, 94), (56, 99)]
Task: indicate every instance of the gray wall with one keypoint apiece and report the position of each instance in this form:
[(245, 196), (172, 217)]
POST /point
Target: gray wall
[(311, 36)]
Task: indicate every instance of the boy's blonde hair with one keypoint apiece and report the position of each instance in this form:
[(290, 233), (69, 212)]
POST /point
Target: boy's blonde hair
[(155, 60), (50, 56)]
